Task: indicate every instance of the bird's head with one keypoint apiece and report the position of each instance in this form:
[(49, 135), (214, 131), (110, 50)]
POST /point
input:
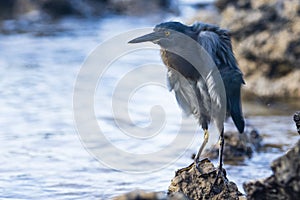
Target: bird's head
[(164, 34)]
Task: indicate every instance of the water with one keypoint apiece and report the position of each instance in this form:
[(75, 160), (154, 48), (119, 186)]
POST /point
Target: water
[(42, 156)]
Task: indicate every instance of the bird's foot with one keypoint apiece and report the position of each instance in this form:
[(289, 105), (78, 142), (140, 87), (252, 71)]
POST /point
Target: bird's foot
[(220, 181), (196, 163), (184, 169)]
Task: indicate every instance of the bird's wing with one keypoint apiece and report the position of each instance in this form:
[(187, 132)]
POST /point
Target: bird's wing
[(218, 46), (184, 92), (217, 43), (209, 42)]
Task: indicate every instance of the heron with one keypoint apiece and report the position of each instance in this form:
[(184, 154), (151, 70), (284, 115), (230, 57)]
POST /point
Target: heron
[(191, 89)]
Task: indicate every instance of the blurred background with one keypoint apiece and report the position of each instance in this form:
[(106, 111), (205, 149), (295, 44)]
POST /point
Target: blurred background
[(43, 44)]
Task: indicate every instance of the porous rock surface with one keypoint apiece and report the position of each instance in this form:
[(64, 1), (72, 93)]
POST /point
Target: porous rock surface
[(297, 120), (237, 147), (144, 195), (202, 183), (266, 41), (283, 184)]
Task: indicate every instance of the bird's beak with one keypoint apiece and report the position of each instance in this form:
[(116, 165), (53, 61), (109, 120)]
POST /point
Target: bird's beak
[(151, 37)]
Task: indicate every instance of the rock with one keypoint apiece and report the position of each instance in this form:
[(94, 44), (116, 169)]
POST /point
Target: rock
[(283, 183), (13, 9), (21, 16), (140, 194), (141, 7), (237, 146), (7, 9), (265, 36), (62, 8), (56, 9), (211, 16), (36, 11), (59, 8), (297, 120), (199, 183), (177, 196), (143, 195), (222, 4)]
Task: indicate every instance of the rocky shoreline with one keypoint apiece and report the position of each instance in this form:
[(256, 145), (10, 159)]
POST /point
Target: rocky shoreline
[(283, 183), (193, 183), (203, 182), (265, 37)]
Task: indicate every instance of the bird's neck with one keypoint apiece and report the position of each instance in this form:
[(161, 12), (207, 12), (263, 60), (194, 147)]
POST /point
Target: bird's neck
[(164, 55), (191, 33)]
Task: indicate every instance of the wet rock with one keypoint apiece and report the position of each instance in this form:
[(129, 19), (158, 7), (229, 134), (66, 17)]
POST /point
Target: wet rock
[(21, 16), (140, 194), (143, 195), (297, 120), (141, 7), (283, 183), (237, 146), (56, 9), (13, 9), (266, 37), (177, 196), (6, 9), (222, 4), (61, 8), (200, 183)]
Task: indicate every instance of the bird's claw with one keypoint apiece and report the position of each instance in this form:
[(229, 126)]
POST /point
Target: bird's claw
[(216, 188), (195, 163), (184, 169)]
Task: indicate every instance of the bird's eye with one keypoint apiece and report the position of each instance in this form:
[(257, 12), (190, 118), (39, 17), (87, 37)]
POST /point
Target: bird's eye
[(167, 33)]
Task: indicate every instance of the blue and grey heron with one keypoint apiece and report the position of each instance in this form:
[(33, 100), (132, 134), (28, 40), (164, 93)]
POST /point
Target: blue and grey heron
[(192, 90)]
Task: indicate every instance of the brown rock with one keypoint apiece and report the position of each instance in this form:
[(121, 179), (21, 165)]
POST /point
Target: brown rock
[(55, 9), (283, 183), (16, 8), (237, 146), (140, 194), (266, 35), (297, 120), (200, 183), (143, 195), (140, 7), (222, 4)]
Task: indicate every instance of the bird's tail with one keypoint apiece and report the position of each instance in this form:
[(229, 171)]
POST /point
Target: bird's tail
[(236, 111)]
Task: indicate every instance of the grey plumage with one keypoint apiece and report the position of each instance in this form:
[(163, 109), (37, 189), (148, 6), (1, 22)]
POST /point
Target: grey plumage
[(188, 94), (217, 43)]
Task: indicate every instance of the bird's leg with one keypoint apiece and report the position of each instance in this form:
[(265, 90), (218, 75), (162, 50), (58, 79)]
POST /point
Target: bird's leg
[(221, 142), (206, 136), (219, 170), (196, 159)]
